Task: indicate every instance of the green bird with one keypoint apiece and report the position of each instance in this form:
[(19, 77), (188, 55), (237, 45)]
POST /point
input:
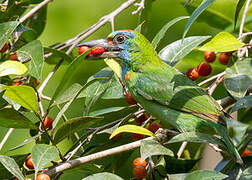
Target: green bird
[(162, 90)]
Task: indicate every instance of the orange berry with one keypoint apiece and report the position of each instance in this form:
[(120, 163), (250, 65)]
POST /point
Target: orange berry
[(139, 172), (43, 176), (129, 98), (224, 58), (97, 50), (245, 153), (4, 48), (139, 162), (209, 56), (128, 76), (17, 83), (141, 118), (83, 49), (192, 74), (37, 82), (204, 69), (48, 122), (14, 57), (137, 136), (29, 163), (153, 127)]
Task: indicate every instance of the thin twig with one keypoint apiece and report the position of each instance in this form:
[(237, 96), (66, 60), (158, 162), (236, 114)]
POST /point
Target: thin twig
[(34, 10), (140, 7), (181, 149), (7, 135), (76, 162), (244, 17), (213, 86), (211, 78)]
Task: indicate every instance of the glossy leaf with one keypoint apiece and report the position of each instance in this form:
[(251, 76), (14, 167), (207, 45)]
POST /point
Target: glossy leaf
[(205, 175), (12, 67), (73, 125), (205, 4), (132, 129), (238, 9), (172, 53), (244, 102), (6, 30), (222, 42), (10, 118), (42, 154), (159, 36), (68, 76), (150, 148), (23, 95), (10, 164), (196, 137), (238, 78), (103, 176), (33, 51)]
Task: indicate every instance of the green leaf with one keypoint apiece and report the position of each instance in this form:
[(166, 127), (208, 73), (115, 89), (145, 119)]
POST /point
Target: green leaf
[(196, 137), (57, 55), (42, 154), (238, 78), (23, 95), (150, 148), (222, 42), (244, 102), (205, 4), (33, 51), (177, 176), (246, 174), (26, 141), (11, 166), (12, 67), (73, 125), (159, 36), (172, 53), (106, 111), (10, 118), (132, 129), (67, 79), (238, 9), (6, 30), (205, 175), (139, 27), (103, 176)]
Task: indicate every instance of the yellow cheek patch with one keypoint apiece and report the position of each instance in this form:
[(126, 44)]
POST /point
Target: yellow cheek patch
[(114, 65)]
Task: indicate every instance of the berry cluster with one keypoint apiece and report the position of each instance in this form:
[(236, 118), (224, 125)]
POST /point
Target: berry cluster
[(204, 68), (13, 56), (139, 168), (94, 51)]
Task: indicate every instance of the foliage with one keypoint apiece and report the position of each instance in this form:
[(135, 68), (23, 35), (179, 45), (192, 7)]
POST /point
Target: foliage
[(106, 121)]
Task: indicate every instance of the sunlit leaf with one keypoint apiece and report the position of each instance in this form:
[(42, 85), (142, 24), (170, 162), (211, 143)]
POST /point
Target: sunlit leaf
[(12, 67), (6, 30), (103, 176), (222, 42), (205, 175), (132, 129), (159, 36)]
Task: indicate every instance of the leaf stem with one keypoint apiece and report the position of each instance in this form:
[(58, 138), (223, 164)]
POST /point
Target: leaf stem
[(7, 135)]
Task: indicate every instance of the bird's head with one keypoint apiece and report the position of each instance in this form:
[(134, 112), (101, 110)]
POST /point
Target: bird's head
[(126, 46)]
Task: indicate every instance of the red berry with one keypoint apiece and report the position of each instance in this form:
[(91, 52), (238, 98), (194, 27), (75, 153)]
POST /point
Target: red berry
[(4, 48), (129, 98), (37, 82), (142, 118), (245, 153), (14, 57), (128, 76), (204, 69), (209, 56), (29, 163), (17, 83), (137, 136), (153, 127), (224, 58), (139, 162), (97, 50), (83, 49), (192, 74), (43, 176), (139, 172), (48, 122)]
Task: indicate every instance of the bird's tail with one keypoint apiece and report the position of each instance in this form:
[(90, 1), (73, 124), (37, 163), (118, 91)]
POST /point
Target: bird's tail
[(222, 131)]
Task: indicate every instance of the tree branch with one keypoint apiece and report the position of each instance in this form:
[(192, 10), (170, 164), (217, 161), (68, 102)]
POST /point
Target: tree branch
[(244, 17), (34, 10)]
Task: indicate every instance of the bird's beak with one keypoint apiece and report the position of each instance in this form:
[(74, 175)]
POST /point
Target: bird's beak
[(111, 51)]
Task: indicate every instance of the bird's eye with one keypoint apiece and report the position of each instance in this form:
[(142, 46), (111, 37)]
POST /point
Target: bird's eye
[(120, 39)]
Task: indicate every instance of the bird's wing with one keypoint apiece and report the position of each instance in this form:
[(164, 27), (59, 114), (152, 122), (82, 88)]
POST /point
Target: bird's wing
[(171, 88)]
